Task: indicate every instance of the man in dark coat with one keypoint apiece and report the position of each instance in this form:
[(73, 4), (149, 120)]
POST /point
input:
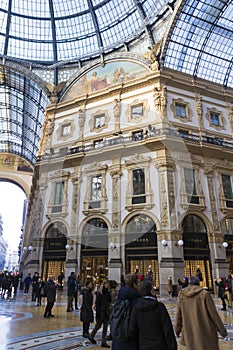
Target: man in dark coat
[(102, 305), (71, 287), (86, 313), (129, 292), (150, 321), (50, 292), (221, 291)]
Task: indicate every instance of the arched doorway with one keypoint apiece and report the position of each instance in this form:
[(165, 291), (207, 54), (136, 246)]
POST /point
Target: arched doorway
[(196, 249), (54, 254), (228, 237), (94, 251), (141, 247)]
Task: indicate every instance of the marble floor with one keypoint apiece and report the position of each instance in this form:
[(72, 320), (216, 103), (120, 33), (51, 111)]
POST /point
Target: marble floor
[(22, 325)]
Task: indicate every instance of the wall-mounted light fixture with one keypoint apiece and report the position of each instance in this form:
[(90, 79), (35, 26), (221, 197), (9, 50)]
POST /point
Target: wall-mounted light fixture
[(68, 247), (112, 246), (29, 248), (164, 243), (180, 243), (225, 244)]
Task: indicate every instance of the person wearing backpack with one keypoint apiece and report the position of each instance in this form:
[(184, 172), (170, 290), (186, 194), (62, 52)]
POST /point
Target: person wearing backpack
[(129, 294), (150, 321)]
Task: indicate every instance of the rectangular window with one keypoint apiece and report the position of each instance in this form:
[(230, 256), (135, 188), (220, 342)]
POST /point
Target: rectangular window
[(227, 189), (58, 197), (98, 144), (99, 121), (96, 191), (139, 188), (137, 136), (181, 110), (191, 186), (137, 111), (66, 129), (215, 119)]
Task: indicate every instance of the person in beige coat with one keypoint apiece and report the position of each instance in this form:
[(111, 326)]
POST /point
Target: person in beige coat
[(197, 318)]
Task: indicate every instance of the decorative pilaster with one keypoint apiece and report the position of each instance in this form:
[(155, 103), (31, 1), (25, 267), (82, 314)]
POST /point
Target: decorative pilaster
[(167, 196), (199, 110), (160, 101), (116, 174), (81, 122), (75, 180), (209, 174), (117, 112)]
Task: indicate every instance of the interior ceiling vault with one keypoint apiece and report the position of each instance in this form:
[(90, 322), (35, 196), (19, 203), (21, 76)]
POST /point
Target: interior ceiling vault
[(51, 34)]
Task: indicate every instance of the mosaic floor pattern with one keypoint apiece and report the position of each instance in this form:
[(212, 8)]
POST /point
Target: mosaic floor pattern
[(22, 326)]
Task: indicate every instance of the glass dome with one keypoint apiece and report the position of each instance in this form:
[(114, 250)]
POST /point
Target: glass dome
[(201, 41), (49, 31)]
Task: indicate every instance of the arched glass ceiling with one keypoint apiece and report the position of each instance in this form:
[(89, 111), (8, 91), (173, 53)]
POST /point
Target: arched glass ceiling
[(22, 106), (50, 31), (201, 41)]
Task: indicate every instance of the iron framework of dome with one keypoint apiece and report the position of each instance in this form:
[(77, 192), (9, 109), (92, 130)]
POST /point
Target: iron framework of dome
[(201, 41), (50, 31)]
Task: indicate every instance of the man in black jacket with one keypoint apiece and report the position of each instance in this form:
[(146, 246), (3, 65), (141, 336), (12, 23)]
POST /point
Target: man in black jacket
[(71, 289), (150, 321), (50, 292)]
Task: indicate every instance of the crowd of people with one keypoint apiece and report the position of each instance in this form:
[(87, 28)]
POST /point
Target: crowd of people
[(9, 282), (197, 322)]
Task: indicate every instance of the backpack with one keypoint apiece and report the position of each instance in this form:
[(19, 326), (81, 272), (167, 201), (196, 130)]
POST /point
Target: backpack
[(119, 319)]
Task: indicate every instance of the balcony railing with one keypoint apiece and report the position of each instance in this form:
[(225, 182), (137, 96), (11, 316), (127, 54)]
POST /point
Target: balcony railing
[(127, 139)]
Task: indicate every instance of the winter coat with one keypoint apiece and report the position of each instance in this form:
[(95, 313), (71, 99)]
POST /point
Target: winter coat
[(133, 296), (50, 291), (221, 289), (86, 312), (151, 323), (71, 286), (169, 285), (198, 320), (103, 302), (38, 288)]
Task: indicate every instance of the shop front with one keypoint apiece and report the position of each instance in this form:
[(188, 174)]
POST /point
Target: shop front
[(94, 251), (54, 253), (141, 247), (196, 250)]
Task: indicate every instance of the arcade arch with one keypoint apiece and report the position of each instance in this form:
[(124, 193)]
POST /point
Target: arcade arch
[(196, 249)]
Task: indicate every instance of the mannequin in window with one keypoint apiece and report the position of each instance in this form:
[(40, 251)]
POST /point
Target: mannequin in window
[(199, 274)]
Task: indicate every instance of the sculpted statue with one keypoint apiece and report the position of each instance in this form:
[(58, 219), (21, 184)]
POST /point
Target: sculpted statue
[(153, 55)]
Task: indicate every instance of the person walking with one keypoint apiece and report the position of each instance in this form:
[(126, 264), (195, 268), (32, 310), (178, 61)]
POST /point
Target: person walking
[(39, 291), (150, 321), (50, 292), (27, 282), (169, 287), (102, 306), (34, 282), (71, 287), (128, 292), (60, 279), (228, 291), (221, 291), (86, 312), (197, 318)]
